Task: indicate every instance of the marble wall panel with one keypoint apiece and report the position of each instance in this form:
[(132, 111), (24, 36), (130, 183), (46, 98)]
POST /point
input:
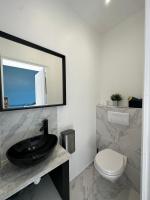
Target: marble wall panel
[(124, 139), (18, 125)]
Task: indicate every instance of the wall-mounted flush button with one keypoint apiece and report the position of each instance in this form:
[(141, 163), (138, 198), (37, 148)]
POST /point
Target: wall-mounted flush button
[(68, 140), (118, 118)]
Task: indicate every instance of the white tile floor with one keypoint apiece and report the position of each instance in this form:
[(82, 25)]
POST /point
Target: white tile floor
[(89, 185)]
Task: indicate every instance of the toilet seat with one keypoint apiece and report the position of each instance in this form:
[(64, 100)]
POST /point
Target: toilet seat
[(110, 162)]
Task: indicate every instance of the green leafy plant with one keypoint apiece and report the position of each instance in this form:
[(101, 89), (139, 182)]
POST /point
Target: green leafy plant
[(116, 97)]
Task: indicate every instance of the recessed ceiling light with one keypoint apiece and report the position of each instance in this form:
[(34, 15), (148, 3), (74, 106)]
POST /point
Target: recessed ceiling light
[(107, 2)]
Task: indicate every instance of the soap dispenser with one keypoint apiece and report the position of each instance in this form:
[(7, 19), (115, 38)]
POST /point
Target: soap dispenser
[(68, 140)]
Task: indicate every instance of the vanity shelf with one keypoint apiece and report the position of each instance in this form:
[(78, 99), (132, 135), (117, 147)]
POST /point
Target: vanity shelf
[(13, 179)]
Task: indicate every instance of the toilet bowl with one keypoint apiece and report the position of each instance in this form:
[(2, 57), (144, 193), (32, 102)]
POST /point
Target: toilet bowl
[(110, 164)]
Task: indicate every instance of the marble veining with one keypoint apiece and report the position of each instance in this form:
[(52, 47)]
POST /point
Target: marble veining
[(13, 179), (89, 185), (124, 139), (18, 125)]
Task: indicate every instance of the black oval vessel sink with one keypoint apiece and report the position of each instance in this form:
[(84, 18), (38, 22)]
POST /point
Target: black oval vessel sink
[(31, 151)]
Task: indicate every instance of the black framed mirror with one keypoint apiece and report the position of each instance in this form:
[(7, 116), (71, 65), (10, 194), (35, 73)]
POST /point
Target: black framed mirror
[(31, 76)]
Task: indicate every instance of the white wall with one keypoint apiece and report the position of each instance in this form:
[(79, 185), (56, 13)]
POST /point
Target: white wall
[(145, 191), (50, 23), (122, 59)]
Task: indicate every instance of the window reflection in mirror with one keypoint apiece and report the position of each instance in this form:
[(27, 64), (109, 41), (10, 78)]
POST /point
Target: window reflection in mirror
[(23, 84)]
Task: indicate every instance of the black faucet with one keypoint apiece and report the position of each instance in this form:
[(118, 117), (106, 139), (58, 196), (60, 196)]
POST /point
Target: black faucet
[(44, 128)]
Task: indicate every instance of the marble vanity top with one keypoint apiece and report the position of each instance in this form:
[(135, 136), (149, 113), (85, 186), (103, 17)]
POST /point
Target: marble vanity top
[(116, 107), (14, 179)]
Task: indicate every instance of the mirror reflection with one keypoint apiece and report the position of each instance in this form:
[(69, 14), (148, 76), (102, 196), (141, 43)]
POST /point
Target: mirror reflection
[(30, 77)]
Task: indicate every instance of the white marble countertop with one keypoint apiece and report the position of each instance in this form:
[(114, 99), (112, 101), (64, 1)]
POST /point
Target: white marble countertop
[(116, 107), (13, 179)]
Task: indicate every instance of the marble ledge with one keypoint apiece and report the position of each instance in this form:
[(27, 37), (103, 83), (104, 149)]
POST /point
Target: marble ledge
[(14, 179), (116, 107)]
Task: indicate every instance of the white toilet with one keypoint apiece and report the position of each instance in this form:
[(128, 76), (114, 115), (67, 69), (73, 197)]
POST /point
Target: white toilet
[(110, 164)]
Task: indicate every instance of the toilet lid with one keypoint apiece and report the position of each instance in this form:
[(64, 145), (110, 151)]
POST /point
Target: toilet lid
[(110, 162)]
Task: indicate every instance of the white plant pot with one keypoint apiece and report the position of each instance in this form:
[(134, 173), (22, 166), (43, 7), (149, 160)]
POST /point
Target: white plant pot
[(115, 103)]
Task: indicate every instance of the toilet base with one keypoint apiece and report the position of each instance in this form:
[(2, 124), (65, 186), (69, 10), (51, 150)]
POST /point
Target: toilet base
[(110, 164), (112, 179)]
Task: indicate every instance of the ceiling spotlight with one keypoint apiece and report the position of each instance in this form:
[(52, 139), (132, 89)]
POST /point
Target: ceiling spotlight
[(107, 2)]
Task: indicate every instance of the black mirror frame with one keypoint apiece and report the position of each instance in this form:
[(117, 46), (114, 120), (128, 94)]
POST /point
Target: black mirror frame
[(35, 46)]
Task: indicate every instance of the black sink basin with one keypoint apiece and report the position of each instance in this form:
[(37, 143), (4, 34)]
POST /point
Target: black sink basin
[(31, 151)]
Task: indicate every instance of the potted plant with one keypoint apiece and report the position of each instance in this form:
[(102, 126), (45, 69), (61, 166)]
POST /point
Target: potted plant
[(116, 98)]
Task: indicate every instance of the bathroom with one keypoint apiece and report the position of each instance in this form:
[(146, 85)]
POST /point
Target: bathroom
[(101, 45)]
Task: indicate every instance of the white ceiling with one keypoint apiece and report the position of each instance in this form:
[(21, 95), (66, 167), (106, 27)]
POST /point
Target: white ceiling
[(103, 17)]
